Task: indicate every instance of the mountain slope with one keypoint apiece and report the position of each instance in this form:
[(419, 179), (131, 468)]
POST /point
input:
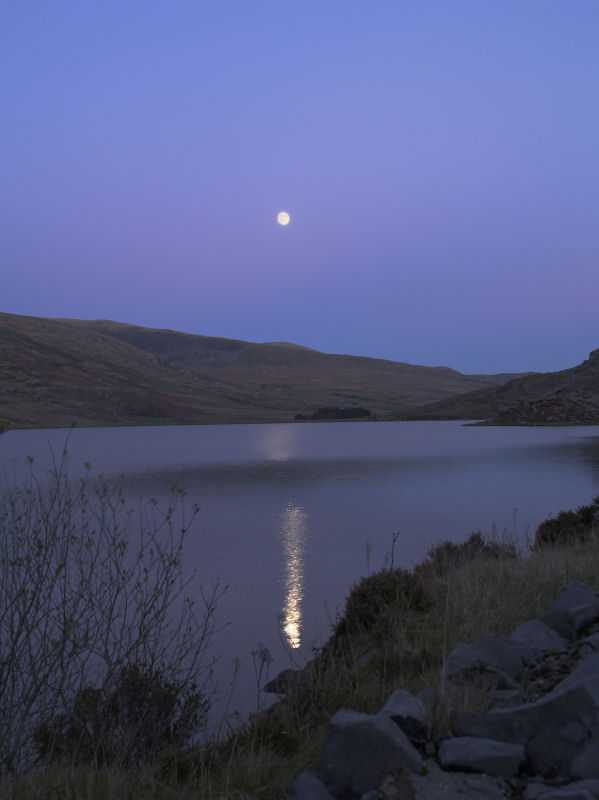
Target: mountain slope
[(298, 370), (55, 372), (570, 396)]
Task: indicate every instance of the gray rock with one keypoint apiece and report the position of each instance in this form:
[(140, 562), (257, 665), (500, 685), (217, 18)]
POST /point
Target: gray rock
[(584, 648), (289, 679), (507, 698), (560, 731), (471, 754), (592, 641), (591, 785), (435, 784), (503, 653), (534, 790), (576, 608), (409, 712), (572, 791), (403, 704), (539, 636), (500, 679), (360, 749), (586, 671), (307, 787)]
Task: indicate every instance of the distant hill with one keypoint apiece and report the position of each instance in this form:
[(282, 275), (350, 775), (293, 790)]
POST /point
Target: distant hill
[(570, 396), (56, 372)]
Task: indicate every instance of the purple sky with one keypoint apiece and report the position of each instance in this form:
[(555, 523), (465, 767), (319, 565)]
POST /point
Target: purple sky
[(439, 159)]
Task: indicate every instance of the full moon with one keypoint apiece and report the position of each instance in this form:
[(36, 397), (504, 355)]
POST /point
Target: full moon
[(283, 218)]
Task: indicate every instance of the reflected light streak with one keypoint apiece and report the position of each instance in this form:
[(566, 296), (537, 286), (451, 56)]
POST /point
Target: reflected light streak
[(279, 442), (294, 534)]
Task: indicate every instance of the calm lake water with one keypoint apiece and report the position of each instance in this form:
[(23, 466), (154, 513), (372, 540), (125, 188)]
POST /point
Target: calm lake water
[(293, 514)]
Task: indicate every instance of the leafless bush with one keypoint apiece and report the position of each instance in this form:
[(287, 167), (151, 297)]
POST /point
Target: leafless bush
[(89, 587)]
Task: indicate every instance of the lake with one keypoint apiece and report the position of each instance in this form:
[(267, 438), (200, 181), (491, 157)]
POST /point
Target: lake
[(293, 514)]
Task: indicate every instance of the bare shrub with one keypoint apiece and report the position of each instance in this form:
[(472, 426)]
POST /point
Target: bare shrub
[(91, 589)]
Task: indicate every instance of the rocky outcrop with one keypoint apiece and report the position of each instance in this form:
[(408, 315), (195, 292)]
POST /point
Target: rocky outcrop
[(539, 738), (570, 396)]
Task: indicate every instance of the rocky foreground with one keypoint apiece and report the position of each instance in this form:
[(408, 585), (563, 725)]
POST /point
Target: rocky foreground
[(538, 739)]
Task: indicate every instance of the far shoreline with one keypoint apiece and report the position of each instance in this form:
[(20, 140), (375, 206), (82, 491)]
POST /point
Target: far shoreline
[(465, 422)]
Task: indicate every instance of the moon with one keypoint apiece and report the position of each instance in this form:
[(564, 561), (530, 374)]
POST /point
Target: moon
[(283, 218)]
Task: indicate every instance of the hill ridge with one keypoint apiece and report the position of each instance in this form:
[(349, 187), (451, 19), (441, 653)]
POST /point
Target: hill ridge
[(55, 372)]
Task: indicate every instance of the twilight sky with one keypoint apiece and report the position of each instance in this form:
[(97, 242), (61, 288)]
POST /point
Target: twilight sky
[(439, 160)]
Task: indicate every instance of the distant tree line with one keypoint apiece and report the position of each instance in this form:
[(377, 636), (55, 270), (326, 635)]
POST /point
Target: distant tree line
[(334, 412)]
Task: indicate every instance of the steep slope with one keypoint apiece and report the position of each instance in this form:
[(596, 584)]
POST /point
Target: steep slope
[(570, 396), (54, 373)]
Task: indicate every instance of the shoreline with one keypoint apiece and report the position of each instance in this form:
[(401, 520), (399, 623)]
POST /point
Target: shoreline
[(215, 423)]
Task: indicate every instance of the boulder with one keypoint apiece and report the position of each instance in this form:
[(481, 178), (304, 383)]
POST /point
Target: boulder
[(404, 705), (579, 790), (507, 698), (591, 641), (574, 610), (289, 679), (471, 754), (568, 793), (435, 784), (502, 653), (492, 677), (535, 789), (409, 712), (307, 787), (538, 636), (360, 749), (560, 731)]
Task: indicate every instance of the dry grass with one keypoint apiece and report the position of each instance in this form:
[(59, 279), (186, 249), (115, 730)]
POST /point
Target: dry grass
[(85, 784)]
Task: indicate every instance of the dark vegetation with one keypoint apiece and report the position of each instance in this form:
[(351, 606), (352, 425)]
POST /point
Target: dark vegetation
[(334, 412), (569, 526), (448, 556), (137, 715)]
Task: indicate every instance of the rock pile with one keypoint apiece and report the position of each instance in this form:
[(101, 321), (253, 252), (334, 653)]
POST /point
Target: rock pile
[(539, 740)]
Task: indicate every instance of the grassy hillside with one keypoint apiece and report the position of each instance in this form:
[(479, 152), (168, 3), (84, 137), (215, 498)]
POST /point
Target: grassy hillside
[(54, 373)]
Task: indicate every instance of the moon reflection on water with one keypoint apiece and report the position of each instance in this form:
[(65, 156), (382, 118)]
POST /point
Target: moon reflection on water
[(294, 535)]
